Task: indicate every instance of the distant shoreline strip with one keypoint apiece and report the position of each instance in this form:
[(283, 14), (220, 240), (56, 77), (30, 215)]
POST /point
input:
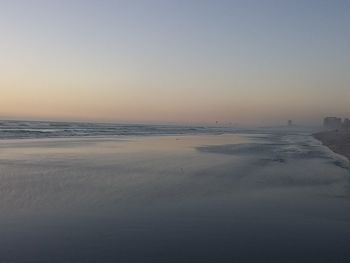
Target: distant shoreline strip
[(338, 141)]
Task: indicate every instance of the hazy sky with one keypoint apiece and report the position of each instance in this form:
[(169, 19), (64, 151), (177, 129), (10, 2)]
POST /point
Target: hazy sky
[(175, 61)]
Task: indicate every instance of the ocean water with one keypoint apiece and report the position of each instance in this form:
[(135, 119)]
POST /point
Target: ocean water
[(274, 196), (44, 129)]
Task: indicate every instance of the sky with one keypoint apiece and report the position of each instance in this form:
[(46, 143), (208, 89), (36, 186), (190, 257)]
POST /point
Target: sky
[(175, 61)]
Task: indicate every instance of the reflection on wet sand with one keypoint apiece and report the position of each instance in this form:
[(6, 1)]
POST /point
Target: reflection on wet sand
[(208, 198)]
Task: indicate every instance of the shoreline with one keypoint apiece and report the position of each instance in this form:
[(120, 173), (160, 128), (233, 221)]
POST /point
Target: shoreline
[(337, 140)]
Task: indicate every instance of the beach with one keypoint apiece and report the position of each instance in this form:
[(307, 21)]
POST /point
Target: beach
[(337, 140), (249, 197), (174, 131)]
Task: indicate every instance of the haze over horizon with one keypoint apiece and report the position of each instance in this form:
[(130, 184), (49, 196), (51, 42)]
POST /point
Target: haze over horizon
[(246, 62)]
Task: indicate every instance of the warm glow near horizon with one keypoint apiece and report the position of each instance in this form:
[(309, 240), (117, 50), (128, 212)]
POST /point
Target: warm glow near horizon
[(175, 61)]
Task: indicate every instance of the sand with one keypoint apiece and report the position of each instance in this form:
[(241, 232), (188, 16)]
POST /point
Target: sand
[(277, 197), (338, 141)]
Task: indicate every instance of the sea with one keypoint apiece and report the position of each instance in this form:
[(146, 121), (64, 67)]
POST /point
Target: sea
[(82, 192), (10, 129)]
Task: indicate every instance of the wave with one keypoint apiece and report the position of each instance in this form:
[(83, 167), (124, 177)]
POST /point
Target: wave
[(40, 129)]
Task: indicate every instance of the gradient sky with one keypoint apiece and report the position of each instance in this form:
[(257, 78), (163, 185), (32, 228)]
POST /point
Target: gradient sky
[(179, 61)]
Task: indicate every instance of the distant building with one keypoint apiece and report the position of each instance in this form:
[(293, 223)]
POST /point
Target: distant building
[(332, 122), (290, 123)]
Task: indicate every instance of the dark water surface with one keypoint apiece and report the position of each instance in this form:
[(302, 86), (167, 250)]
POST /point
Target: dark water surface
[(278, 197), (12, 129)]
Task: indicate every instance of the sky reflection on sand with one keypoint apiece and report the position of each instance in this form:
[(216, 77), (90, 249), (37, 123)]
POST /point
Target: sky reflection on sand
[(174, 199)]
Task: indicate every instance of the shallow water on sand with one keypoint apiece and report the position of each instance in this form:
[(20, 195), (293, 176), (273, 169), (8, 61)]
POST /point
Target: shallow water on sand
[(278, 197)]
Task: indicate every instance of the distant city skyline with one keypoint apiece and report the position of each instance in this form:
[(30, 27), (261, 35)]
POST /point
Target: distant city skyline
[(244, 62)]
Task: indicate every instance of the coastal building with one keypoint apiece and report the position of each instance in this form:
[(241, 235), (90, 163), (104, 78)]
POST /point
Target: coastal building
[(336, 123), (332, 123), (290, 123)]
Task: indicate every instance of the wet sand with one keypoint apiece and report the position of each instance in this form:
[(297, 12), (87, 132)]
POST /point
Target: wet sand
[(338, 141), (275, 197)]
